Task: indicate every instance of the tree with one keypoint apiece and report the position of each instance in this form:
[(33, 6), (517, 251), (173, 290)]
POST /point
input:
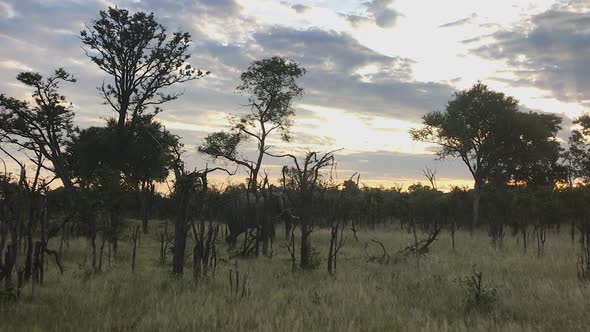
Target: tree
[(485, 129), (44, 128), (303, 180), (271, 86), (579, 152), (536, 157), (149, 158), (141, 58), (152, 153), (187, 185)]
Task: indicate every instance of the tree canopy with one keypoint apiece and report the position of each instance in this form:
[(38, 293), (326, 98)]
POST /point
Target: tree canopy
[(43, 128), (141, 57), (495, 141), (270, 85)]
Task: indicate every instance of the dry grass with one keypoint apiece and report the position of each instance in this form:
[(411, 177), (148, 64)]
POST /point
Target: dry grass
[(533, 293)]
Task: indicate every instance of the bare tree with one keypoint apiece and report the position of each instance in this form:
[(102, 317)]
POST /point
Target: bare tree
[(186, 186), (430, 174), (303, 179)]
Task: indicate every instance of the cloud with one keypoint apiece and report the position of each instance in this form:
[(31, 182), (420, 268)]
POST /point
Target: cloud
[(378, 11), (398, 165), (550, 52), (6, 10), (356, 20), (300, 9), (460, 22), (334, 61), (221, 7), (342, 73), (384, 16), (12, 64)]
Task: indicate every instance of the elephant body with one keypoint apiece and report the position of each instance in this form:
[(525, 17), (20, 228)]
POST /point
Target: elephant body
[(244, 212)]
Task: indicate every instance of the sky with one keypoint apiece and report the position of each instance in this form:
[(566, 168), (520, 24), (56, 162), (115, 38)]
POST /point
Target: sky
[(373, 68)]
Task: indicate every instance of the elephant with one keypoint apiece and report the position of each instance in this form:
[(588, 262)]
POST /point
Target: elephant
[(244, 212)]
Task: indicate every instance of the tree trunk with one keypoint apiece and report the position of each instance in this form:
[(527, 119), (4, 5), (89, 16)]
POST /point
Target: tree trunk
[(183, 193), (29, 241), (305, 245), (145, 199), (476, 199), (115, 222), (144, 211), (288, 226), (453, 229)]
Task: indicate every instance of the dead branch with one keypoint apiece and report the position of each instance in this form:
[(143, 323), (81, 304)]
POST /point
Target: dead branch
[(419, 248)]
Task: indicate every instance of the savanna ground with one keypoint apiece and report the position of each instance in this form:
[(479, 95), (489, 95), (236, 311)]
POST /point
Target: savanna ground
[(532, 293)]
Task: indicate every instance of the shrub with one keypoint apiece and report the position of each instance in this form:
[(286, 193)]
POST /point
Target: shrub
[(478, 297)]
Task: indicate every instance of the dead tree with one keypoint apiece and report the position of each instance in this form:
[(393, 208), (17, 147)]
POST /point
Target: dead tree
[(239, 289), (291, 248), (336, 243), (540, 233), (383, 259), (134, 238), (421, 247), (417, 249), (430, 174), (183, 193), (165, 242), (186, 187), (205, 250), (303, 179)]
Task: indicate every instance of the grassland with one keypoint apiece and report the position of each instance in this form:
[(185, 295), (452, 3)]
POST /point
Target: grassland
[(533, 293)]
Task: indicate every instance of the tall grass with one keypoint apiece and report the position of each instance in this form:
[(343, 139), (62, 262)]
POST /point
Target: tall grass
[(533, 293)]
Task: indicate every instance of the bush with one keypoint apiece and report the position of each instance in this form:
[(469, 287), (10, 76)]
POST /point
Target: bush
[(478, 298)]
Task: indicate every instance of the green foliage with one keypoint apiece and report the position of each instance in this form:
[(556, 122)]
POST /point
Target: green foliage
[(270, 85), (535, 156), (426, 205), (44, 127), (497, 142), (476, 126), (221, 145), (107, 157), (579, 152)]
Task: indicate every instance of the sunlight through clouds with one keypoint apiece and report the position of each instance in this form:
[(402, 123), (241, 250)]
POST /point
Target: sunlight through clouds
[(354, 133), (370, 77)]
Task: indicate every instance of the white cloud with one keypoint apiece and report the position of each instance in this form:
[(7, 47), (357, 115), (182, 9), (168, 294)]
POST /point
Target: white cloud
[(6, 10)]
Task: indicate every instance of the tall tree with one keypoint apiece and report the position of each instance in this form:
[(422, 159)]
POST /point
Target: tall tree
[(271, 86), (43, 128), (141, 58), (481, 127)]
